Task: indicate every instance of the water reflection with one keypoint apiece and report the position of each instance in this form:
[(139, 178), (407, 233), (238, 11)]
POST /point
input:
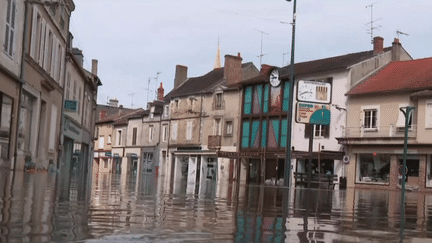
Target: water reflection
[(115, 207)]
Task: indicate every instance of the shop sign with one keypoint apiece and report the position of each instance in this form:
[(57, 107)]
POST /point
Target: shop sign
[(309, 113)]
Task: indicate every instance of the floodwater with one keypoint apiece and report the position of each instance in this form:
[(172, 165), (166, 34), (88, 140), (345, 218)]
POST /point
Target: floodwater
[(115, 208)]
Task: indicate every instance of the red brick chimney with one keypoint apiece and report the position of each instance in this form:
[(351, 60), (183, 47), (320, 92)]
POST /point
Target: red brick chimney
[(233, 69), (102, 115), (160, 92), (396, 50), (378, 45)]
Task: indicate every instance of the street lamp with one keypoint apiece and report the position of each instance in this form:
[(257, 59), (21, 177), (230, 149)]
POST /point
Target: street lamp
[(287, 174), (407, 113)]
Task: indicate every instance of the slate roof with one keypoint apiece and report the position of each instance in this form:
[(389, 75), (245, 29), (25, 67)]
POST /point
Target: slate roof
[(328, 64), (201, 84), (412, 75)]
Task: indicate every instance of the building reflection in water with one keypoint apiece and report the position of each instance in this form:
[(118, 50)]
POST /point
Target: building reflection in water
[(35, 208)]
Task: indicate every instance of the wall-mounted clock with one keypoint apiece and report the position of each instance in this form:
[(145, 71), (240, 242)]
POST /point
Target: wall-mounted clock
[(274, 78)]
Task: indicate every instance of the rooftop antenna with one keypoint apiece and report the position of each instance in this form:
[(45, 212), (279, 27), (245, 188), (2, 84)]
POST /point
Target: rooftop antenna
[(148, 84), (372, 21), (261, 55), (400, 32), (132, 95), (283, 58)]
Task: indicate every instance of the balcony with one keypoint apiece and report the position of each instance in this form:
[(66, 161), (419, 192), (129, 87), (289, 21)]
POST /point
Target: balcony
[(380, 132), (214, 141)]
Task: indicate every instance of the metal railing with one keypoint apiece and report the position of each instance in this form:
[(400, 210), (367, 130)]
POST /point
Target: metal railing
[(380, 131)]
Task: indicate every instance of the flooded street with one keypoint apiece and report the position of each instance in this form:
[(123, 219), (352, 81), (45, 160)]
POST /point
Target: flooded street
[(34, 208)]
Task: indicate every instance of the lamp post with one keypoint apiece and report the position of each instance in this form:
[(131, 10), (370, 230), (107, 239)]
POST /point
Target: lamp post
[(407, 113), (287, 174)]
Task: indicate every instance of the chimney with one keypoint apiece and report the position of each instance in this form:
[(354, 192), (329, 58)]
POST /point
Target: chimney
[(160, 92), (102, 115), (233, 69), (180, 75), (94, 67), (396, 50), (378, 45), (77, 53), (113, 102)]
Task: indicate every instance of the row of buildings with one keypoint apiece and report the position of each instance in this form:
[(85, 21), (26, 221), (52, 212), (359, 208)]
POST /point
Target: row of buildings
[(48, 99), (231, 124)]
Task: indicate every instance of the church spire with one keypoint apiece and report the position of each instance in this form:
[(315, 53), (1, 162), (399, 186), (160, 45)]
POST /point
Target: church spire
[(217, 63)]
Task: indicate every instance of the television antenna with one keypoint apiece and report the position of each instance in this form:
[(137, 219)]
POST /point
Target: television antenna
[(132, 95), (148, 84), (261, 55), (371, 23), (400, 32)]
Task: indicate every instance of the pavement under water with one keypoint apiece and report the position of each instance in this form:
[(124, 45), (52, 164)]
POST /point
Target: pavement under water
[(114, 208)]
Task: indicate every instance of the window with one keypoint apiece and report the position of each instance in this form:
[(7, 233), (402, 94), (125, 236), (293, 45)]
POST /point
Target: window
[(217, 126), (36, 35), (165, 133), (374, 168), (48, 50), (101, 141), (229, 128), (53, 127), (428, 122), (174, 131), (150, 133), (320, 131), (119, 137), (79, 99), (134, 136), (5, 124), (218, 101), (370, 119), (26, 121), (166, 110), (10, 27), (68, 84), (191, 103), (105, 163), (147, 162), (189, 130), (176, 104), (400, 124), (109, 139)]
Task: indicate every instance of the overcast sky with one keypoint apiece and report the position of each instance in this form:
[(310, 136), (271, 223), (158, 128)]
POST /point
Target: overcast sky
[(135, 39)]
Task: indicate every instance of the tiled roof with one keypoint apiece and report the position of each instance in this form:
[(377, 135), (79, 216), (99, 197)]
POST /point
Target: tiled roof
[(119, 114), (123, 120), (412, 75), (201, 84), (327, 64)]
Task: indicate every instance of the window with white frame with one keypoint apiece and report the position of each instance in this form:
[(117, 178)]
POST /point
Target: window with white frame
[(189, 130), (10, 27), (370, 117), (217, 126), (319, 131), (229, 127), (150, 130), (109, 139), (428, 114), (101, 141), (400, 124), (36, 35)]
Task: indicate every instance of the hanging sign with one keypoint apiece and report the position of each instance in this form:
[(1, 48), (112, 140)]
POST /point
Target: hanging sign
[(311, 113)]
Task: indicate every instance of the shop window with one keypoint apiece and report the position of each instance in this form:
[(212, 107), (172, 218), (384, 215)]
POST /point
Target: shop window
[(412, 167), (147, 162), (374, 168), (26, 121)]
